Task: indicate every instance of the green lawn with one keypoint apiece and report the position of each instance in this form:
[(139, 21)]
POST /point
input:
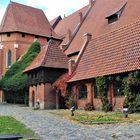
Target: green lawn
[(9, 125), (96, 117)]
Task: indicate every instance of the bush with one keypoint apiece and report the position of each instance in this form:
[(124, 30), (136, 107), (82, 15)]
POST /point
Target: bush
[(88, 107), (131, 86), (138, 102)]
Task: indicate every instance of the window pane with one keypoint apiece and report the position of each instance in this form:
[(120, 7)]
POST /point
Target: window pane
[(82, 91), (9, 58)]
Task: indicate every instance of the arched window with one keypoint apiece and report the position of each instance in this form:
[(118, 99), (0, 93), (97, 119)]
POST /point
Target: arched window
[(82, 90), (9, 58)]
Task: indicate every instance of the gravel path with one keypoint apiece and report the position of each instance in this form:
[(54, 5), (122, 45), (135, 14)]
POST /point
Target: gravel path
[(50, 127)]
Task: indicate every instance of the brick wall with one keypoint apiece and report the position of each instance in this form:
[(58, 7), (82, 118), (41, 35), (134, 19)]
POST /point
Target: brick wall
[(45, 94), (117, 102), (8, 44)]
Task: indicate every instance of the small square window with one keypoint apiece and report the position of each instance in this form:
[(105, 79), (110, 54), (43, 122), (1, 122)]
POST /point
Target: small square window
[(36, 36), (23, 35), (8, 34)]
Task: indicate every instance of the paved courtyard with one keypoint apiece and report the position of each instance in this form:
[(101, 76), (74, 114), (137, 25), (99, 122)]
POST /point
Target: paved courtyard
[(50, 127)]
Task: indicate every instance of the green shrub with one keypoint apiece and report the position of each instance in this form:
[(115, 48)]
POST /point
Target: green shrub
[(138, 102), (131, 85)]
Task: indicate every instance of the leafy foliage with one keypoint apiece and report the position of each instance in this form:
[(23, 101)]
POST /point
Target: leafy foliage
[(131, 86), (102, 87), (69, 99), (14, 79)]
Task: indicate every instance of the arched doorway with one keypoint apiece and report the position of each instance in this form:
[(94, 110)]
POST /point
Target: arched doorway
[(33, 99)]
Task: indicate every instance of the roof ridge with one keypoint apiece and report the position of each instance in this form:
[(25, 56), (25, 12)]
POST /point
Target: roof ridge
[(25, 5), (79, 25), (45, 55), (75, 12)]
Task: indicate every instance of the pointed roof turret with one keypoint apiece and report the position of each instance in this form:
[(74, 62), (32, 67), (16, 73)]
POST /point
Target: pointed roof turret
[(50, 57)]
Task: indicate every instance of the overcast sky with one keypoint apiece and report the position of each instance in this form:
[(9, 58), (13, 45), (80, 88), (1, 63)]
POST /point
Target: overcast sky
[(52, 8)]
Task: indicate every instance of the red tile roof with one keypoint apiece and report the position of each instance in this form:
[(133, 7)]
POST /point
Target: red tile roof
[(51, 56), (55, 21), (97, 24), (21, 18), (69, 22), (114, 52)]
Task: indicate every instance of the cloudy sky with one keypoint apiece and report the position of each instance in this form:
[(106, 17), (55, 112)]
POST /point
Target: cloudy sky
[(52, 8)]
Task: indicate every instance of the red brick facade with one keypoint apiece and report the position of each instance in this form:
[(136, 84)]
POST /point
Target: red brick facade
[(116, 102), (45, 94), (8, 43)]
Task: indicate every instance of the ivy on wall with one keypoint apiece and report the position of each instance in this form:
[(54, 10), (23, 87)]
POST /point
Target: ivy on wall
[(102, 84), (14, 81), (131, 89)]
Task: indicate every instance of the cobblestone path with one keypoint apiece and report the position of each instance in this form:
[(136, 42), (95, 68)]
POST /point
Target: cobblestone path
[(50, 127)]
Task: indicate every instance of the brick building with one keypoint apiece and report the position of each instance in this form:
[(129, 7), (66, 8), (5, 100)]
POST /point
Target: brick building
[(21, 25), (100, 39)]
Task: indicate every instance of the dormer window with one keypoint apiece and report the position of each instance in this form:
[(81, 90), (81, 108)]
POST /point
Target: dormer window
[(115, 16)]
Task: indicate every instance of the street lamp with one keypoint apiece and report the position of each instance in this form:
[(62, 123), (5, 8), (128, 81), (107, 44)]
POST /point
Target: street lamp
[(72, 109), (125, 111)]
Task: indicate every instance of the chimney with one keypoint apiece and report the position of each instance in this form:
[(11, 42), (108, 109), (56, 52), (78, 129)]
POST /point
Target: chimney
[(81, 17), (64, 46), (87, 37), (91, 2), (71, 66), (69, 35)]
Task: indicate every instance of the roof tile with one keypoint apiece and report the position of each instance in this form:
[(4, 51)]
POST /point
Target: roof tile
[(25, 19), (97, 24), (50, 56), (114, 52)]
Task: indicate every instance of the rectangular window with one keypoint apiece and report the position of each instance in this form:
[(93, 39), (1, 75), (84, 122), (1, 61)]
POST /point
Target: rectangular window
[(36, 36), (8, 34), (23, 35), (82, 92)]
